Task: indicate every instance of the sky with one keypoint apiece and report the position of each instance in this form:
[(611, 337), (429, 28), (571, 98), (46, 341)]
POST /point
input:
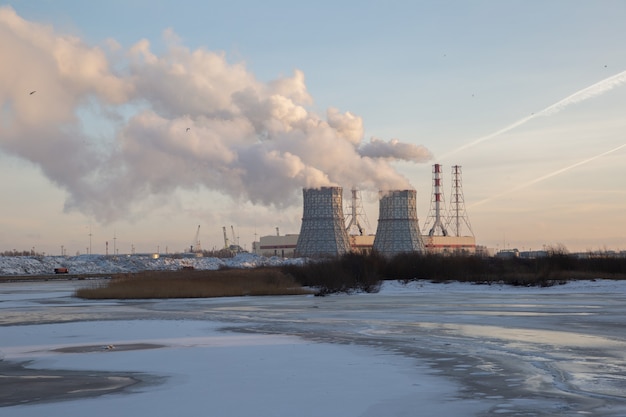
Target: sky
[(151, 118)]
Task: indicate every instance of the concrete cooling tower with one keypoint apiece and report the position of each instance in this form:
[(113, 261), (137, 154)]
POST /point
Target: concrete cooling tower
[(398, 230), (323, 231)]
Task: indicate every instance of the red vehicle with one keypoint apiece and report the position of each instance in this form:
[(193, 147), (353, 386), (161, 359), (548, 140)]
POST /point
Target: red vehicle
[(61, 271)]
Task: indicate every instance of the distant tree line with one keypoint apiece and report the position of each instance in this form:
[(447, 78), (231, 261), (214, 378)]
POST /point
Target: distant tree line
[(357, 272), (14, 252)]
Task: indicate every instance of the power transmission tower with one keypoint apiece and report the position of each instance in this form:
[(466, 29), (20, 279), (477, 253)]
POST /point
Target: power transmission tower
[(356, 212), (458, 217)]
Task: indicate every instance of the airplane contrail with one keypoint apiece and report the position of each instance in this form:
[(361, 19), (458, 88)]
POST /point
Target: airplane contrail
[(550, 175), (586, 93)]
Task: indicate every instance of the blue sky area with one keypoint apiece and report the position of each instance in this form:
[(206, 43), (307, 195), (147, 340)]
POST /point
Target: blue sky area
[(528, 97)]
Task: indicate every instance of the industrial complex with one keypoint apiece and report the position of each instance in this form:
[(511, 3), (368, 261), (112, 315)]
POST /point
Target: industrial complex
[(326, 231)]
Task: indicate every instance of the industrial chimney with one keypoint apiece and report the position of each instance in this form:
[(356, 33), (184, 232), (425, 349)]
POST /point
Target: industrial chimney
[(436, 215), (398, 229), (323, 231)]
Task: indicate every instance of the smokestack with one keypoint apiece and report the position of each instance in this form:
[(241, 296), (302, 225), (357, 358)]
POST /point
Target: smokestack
[(437, 205), (398, 229), (323, 231)]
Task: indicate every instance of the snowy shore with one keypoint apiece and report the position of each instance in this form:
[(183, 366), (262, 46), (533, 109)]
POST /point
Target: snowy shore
[(98, 264)]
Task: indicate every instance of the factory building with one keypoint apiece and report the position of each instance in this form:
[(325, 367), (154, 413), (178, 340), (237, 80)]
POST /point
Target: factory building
[(283, 246), (361, 243), (450, 245)]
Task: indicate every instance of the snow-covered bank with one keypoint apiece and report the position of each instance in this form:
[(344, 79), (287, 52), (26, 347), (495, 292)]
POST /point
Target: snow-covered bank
[(104, 264), (390, 287)]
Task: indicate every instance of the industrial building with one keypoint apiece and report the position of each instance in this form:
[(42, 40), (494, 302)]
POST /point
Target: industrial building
[(449, 245), (324, 232), (361, 243), (283, 246)]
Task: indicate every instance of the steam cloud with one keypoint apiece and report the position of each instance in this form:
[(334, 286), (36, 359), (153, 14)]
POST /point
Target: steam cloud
[(182, 120)]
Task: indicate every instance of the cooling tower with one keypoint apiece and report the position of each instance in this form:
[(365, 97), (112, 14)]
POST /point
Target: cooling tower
[(398, 229), (323, 231)]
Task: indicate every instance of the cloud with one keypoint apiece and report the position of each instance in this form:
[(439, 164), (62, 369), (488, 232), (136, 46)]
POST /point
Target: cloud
[(182, 119)]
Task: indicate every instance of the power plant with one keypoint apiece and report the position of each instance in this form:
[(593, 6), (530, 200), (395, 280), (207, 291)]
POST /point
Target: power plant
[(325, 232), (398, 230)]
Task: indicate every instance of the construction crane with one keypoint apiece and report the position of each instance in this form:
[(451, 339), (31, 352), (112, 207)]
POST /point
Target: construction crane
[(195, 246), (226, 242), (235, 240), (233, 247)]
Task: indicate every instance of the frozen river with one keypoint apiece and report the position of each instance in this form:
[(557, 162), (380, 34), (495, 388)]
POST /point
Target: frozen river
[(422, 349)]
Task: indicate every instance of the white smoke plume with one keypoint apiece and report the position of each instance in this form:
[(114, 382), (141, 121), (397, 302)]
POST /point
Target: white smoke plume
[(394, 150), (184, 119)]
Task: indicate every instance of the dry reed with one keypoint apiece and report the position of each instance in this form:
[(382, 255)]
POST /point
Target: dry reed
[(195, 284)]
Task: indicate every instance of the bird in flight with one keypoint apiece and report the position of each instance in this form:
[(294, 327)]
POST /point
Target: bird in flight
[(33, 92), (188, 129)]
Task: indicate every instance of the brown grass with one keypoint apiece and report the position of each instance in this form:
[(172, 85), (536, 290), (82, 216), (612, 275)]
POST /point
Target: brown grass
[(195, 284)]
